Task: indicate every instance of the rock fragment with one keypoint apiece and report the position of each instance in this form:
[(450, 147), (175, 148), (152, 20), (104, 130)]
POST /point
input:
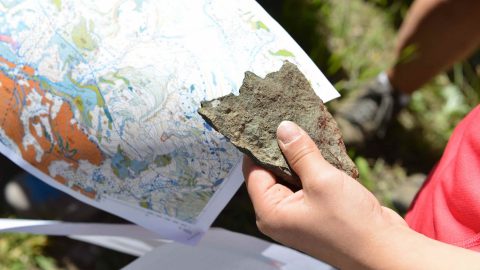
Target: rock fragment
[(250, 120)]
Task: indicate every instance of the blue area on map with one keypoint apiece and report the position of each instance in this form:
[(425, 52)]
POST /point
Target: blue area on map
[(98, 176), (126, 167), (121, 126), (214, 79), (159, 183), (207, 126), (218, 182), (6, 53), (5, 142)]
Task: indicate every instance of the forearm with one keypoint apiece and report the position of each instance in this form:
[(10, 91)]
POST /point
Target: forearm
[(434, 35), (399, 248)]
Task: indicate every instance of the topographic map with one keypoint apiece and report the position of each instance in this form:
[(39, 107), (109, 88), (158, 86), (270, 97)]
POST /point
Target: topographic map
[(99, 99)]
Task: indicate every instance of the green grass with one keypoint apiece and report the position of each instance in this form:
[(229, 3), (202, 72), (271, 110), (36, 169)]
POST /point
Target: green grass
[(361, 40), (22, 251)]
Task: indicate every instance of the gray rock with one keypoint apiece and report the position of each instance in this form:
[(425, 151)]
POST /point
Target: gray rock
[(250, 120)]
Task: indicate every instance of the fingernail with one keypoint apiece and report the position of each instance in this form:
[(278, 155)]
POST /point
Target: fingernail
[(287, 132)]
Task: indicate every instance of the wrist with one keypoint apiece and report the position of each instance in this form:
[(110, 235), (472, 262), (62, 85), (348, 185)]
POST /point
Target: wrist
[(382, 245), (398, 247), (388, 248), (363, 245)]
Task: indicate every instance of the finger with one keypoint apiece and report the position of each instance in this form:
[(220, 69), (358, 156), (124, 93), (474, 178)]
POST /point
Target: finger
[(248, 165), (262, 187), (257, 179), (302, 154)]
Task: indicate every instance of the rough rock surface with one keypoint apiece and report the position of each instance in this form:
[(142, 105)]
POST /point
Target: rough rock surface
[(250, 120)]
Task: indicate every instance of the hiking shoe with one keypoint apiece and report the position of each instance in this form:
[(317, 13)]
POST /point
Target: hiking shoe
[(367, 114)]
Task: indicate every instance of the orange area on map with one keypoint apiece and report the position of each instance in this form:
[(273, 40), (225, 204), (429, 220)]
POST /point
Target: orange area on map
[(66, 142)]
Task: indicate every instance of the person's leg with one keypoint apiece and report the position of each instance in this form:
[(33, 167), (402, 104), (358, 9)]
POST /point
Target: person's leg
[(434, 35)]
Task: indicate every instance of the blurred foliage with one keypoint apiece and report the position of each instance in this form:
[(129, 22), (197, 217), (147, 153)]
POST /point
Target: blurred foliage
[(394, 10), (365, 171), (380, 178), (361, 41), (303, 20), (22, 251)]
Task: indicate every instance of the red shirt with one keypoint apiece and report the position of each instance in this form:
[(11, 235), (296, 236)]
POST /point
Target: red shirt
[(447, 207)]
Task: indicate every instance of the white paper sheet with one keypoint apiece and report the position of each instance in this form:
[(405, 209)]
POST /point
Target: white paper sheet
[(219, 249)]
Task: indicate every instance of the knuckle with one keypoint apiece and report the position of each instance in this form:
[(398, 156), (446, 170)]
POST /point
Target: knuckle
[(332, 174), (328, 180)]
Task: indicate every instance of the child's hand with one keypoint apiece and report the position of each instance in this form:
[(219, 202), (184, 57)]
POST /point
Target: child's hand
[(333, 217)]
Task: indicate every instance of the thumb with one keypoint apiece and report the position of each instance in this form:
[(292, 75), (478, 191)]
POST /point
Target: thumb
[(302, 154)]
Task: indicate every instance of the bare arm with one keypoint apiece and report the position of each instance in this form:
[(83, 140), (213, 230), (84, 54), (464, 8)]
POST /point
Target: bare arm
[(434, 35), (335, 219)]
